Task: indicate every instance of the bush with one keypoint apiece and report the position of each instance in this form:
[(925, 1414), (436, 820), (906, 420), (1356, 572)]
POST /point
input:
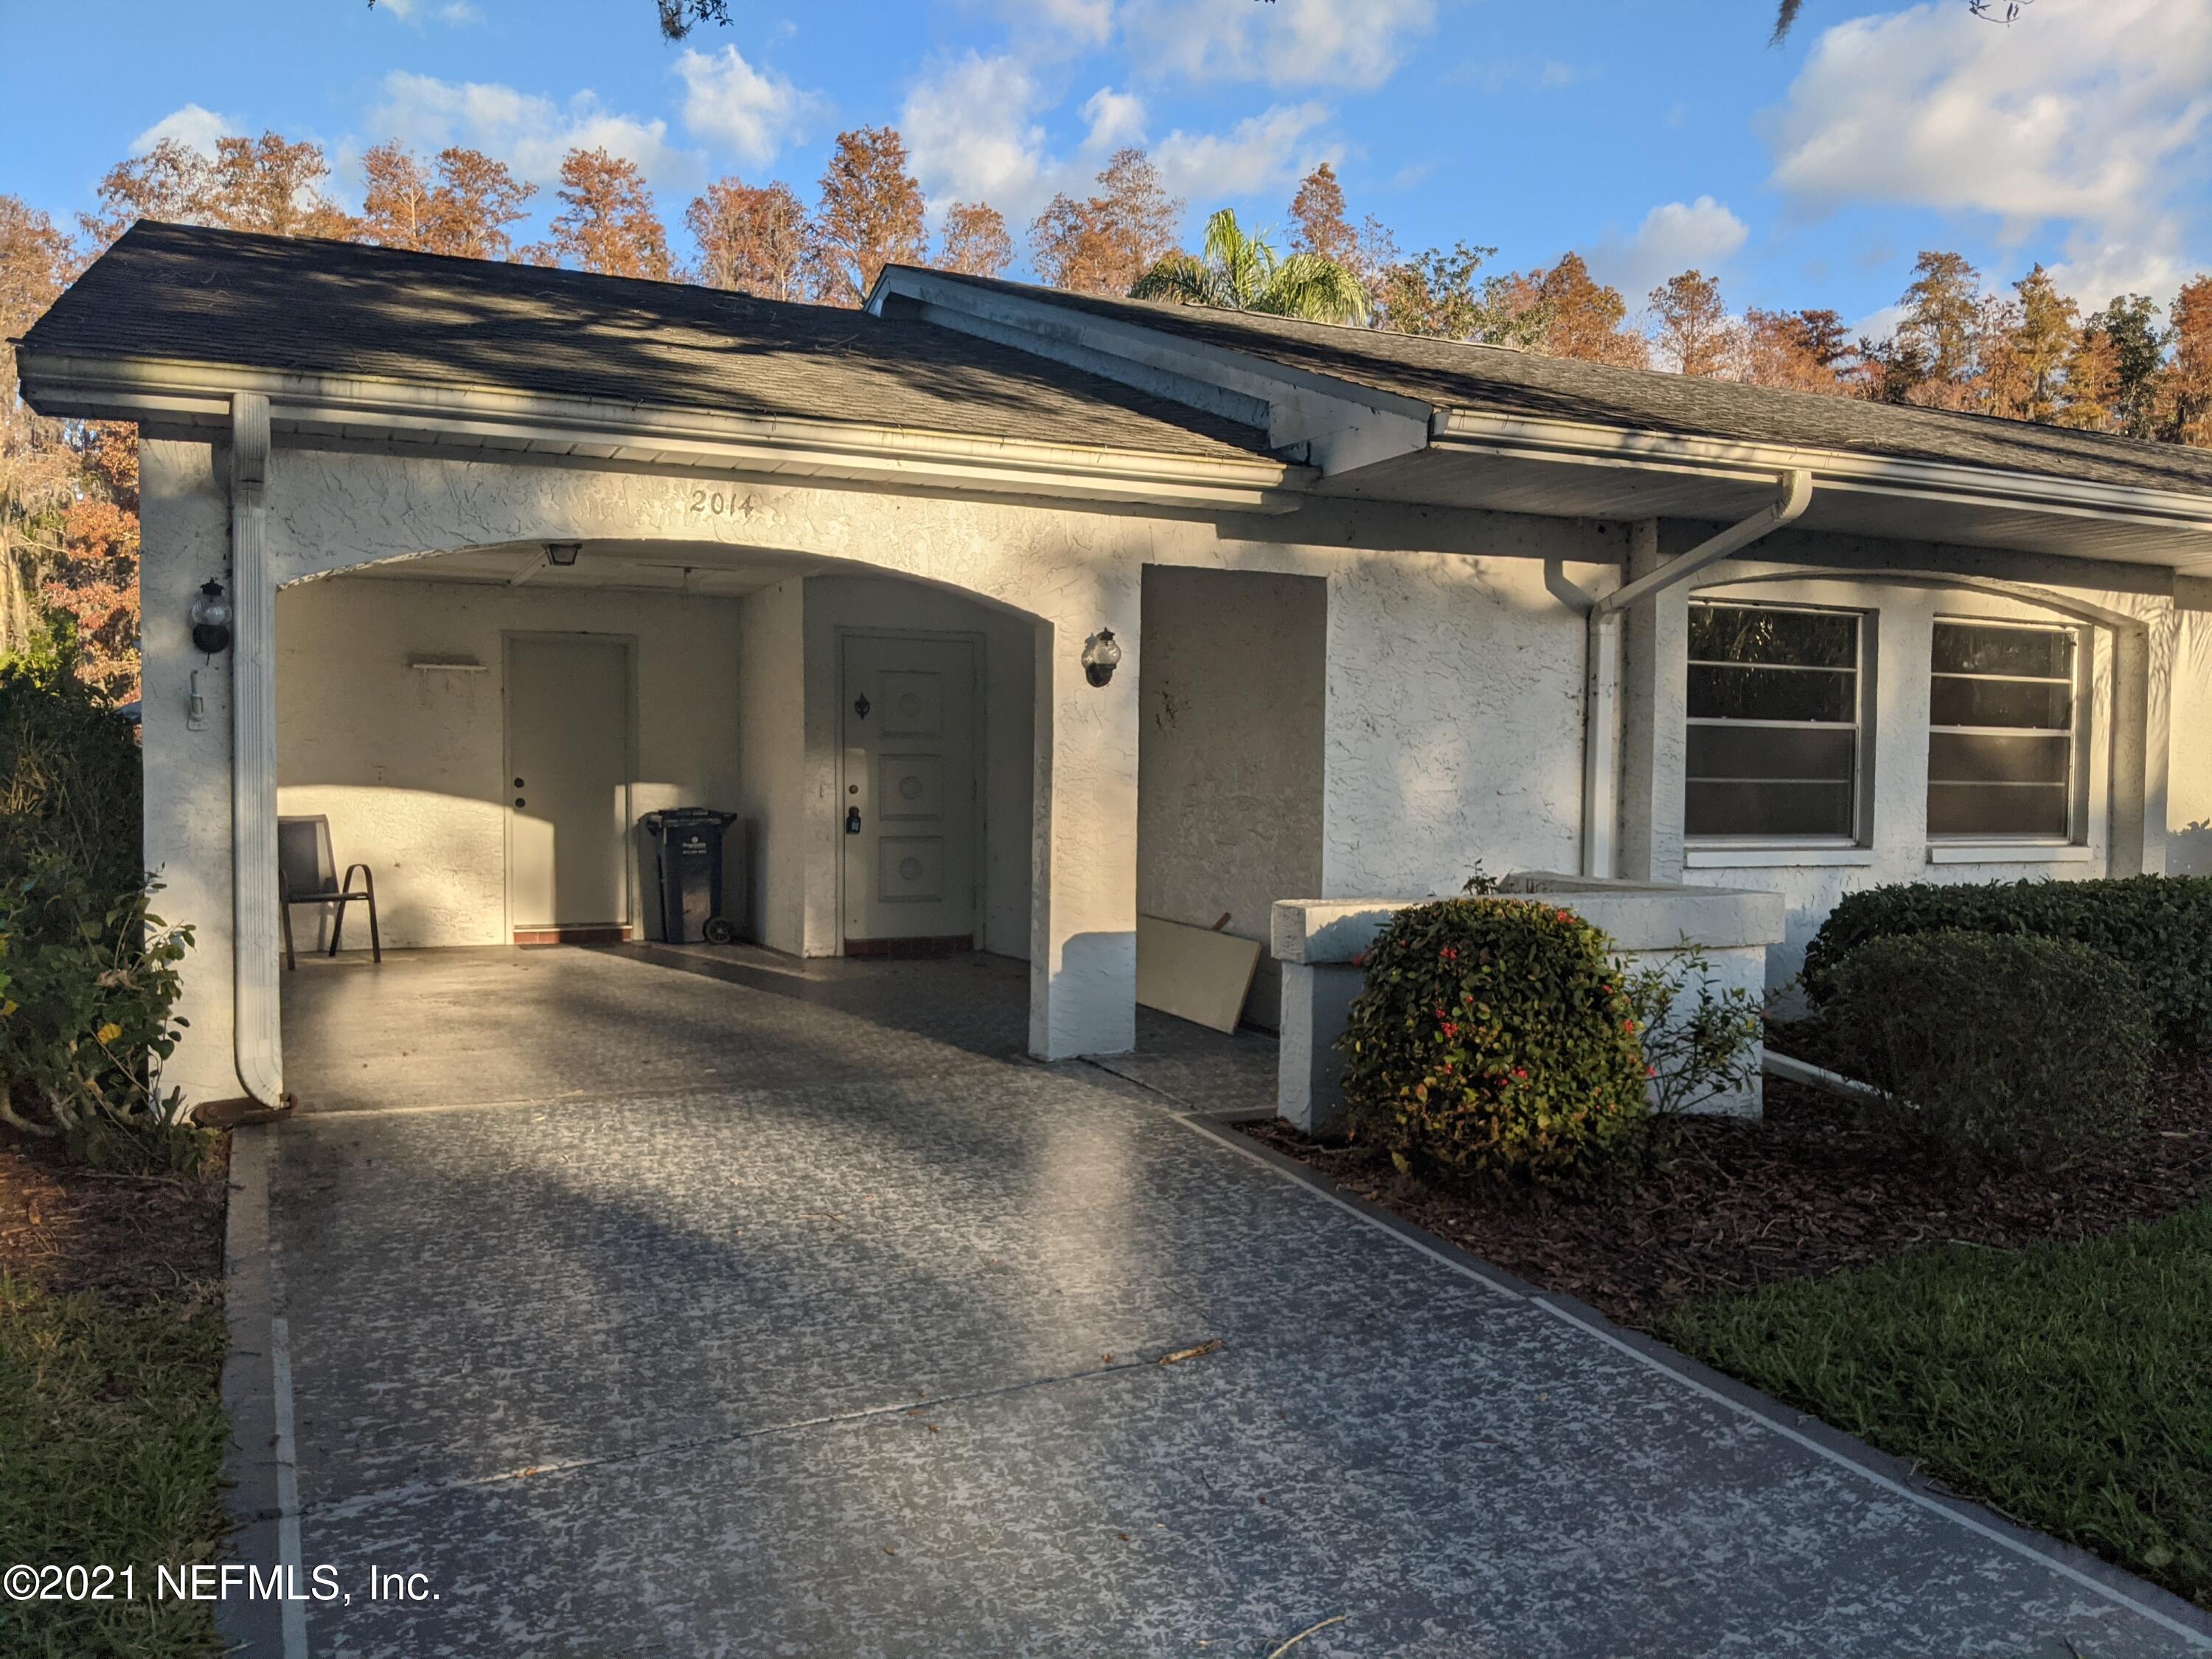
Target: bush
[(1996, 1047), (2159, 926), (68, 779), (1701, 1039), (87, 985), (1493, 1034)]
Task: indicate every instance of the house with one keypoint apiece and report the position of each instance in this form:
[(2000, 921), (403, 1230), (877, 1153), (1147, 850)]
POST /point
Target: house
[(518, 554)]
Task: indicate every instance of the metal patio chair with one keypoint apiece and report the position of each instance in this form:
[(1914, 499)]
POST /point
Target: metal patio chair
[(307, 873)]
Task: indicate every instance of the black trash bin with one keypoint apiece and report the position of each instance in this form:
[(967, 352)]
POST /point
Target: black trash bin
[(688, 841)]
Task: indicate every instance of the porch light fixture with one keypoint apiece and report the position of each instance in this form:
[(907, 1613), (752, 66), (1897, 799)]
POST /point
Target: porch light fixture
[(1102, 655), (562, 554), (211, 618)]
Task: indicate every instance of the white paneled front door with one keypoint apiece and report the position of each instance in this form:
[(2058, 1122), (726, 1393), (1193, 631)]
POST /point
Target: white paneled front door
[(910, 810)]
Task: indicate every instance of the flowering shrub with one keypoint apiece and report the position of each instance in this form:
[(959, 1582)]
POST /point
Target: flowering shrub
[(87, 986), (1494, 1034)]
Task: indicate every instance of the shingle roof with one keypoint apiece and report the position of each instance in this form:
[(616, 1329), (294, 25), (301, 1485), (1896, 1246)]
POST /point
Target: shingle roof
[(1451, 374), (182, 293)]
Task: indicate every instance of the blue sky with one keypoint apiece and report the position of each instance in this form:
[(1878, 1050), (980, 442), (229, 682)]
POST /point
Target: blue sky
[(1649, 135)]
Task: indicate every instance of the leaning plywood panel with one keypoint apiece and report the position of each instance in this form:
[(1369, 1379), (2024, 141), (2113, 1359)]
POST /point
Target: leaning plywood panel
[(1193, 973)]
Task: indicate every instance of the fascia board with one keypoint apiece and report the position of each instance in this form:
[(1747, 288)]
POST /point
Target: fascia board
[(1734, 460), (1343, 423), (197, 395)]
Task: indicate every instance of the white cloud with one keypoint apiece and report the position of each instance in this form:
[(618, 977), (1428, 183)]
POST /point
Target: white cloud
[(1675, 237), (1061, 28), (193, 127), (413, 11), (753, 112), (2092, 113), (529, 132), (1263, 152), (1116, 119), (971, 127), (1352, 44)]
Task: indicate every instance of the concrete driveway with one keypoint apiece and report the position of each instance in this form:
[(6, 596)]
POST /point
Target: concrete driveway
[(645, 1303)]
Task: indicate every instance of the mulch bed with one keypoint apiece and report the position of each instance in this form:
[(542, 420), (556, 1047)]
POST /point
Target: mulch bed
[(131, 1238), (1728, 1206)]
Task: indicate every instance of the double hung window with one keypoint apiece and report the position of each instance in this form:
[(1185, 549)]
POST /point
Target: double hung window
[(1773, 723), (2001, 740)]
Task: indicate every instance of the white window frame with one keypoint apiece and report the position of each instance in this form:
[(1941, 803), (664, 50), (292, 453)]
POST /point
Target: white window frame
[(1859, 725), (2080, 685)]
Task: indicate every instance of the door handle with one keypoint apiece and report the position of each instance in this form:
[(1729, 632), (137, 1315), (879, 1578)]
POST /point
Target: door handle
[(852, 820)]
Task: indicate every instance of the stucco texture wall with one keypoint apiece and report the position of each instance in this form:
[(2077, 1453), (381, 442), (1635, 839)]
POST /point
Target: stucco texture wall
[(1231, 756), (409, 764), (1455, 724)]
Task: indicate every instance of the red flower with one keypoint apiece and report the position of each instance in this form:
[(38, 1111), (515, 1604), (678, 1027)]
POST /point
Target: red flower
[(1651, 1071)]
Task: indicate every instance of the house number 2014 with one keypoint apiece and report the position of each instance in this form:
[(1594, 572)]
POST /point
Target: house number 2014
[(720, 503)]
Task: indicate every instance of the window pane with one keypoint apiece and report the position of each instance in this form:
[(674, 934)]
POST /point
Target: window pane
[(1722, 692), (1755, 634), (1959, 757), (2001, 703), (1979, 648), (1723, 752), (1970, 809), (1770, 809)]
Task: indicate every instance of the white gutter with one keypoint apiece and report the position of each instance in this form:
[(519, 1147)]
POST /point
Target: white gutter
[(257, 1028), (164, 393), (1601, 716), (1845, 471)]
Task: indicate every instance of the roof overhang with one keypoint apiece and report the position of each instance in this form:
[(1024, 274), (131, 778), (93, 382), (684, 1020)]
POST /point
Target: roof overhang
[(1366, 444), (1515, 463), (171, 398)]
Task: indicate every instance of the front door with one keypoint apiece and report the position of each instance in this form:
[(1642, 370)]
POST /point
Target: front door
[(910, 810), (568, 752)]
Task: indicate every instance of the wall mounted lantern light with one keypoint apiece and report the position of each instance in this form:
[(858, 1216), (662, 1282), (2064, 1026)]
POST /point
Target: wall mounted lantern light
[(211, 619), (562, 554), (1102, 655)]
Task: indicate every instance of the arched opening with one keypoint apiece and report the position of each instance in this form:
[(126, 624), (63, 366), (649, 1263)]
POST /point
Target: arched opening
[(491, 729)]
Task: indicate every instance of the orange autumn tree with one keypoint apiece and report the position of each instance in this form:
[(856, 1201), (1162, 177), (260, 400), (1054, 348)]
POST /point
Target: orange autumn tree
[(271, 184), (974, 241), (871, 215), (1103, 243), (1696, 334), (461, 204), (753, 239), (607, 224)]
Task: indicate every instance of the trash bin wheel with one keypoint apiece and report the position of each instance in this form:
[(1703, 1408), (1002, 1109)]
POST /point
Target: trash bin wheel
[(718, 931)]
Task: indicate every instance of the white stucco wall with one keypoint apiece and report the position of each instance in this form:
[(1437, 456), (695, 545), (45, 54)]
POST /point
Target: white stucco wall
[(409, 764), (2188, 783), (1230, 757), (1453, 724), (772, 762)]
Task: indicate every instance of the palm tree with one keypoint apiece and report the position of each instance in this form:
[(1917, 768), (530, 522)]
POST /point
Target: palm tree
[(1238, 272)]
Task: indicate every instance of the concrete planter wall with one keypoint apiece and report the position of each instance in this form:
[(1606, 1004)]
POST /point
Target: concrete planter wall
[(1316, 940)]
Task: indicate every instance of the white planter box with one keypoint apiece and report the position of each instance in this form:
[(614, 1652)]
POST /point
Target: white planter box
[(1315, 940)]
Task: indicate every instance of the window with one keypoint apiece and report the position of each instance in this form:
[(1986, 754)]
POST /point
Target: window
[(2001, 731), (1774, 722)]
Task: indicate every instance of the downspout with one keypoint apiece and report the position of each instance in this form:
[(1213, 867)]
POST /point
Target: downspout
[(1601, 721), (257, 1032)]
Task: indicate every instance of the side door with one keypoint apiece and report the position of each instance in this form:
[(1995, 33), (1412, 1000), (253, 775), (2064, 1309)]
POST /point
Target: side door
[(910, 807), (567, 755)]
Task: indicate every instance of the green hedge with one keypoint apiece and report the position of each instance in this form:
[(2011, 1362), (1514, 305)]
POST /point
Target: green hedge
[(1494, 1034), (1995, 1048), (2159, 926)]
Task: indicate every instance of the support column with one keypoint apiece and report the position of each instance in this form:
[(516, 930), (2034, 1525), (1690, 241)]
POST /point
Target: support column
[(1653, 684), (1083, 902), (2141, 750), (185, 532), (255, 924)]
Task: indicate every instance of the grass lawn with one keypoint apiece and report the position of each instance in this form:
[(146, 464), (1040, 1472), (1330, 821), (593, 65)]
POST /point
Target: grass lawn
[(2068, 1384), (112, 1437)]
